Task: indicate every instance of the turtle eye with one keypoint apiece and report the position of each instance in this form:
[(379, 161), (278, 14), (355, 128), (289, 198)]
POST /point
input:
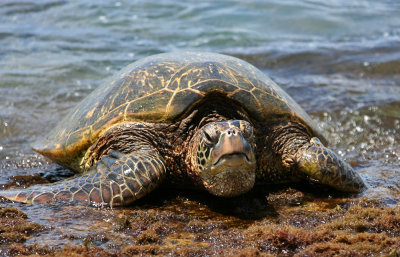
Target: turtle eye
[(210, 136), (246, 129)]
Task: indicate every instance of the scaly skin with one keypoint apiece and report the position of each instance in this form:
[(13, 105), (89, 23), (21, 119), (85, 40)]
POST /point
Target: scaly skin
[(290, 154), (117, 179), (317, 163)]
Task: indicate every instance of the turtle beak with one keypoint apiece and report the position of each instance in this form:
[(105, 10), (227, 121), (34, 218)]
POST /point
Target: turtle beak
[(232, 150)]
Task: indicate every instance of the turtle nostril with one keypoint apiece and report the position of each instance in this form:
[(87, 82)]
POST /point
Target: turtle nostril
[(231, 132)]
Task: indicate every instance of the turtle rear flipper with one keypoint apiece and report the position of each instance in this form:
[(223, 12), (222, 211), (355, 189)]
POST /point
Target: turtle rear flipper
[(319, 164), (116, 179)]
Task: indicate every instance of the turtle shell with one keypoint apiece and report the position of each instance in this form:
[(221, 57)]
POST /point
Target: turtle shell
[(161, 88)]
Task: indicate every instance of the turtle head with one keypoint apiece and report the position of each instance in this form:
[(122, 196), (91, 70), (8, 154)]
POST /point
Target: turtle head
[(223, 157)]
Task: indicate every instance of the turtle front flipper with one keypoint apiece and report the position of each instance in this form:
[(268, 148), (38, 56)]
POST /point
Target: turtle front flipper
[(319, 164), (116, 179)]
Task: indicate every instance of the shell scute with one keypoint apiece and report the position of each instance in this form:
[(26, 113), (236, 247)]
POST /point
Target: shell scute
[(103, 122), (253, 107), (216, 86), (178, 102), (149, 108)]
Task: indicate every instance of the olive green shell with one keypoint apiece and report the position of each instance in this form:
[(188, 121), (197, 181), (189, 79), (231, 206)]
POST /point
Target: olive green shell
[(161, 88)]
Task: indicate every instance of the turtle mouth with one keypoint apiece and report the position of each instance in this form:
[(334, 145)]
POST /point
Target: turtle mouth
[(231, 175), (232, 159)]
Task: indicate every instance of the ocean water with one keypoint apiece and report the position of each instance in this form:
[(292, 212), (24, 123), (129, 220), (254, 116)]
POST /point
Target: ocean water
[(340, 60)]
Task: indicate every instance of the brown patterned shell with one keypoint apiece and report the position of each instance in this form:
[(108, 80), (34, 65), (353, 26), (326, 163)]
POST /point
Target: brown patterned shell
[(159, 89)]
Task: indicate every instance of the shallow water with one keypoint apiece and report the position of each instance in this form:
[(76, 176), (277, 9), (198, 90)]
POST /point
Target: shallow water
[(340, 60)]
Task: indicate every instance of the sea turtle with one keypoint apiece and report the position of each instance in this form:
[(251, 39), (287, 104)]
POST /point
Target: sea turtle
[(203, 120)]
